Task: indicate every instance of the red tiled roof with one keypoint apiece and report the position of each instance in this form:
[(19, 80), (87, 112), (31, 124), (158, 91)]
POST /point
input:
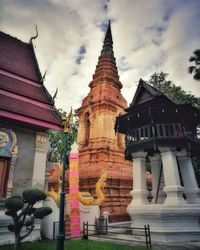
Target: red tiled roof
[(23, 88), (17, 106), (18, 57)]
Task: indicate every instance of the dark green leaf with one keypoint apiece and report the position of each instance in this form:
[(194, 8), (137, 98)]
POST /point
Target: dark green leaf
[(41, 212), (31, 211), (14, 203), (175, 93), (31, 196), (195, 69)]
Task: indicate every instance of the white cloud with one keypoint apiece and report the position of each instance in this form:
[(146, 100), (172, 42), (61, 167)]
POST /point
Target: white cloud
[(149, 36)]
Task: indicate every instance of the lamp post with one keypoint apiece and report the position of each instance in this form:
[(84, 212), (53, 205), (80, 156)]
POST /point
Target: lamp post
[(67, 121)]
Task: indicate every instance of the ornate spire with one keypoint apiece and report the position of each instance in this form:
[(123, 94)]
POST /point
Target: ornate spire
[(106, 69), (108, 43)]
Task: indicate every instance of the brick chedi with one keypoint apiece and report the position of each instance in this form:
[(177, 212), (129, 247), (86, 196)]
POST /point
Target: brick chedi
[(100, 149)]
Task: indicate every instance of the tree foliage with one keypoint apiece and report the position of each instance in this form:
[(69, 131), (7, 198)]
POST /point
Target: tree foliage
[(56, 140), (195, 69), (175, 93), (24, 214)]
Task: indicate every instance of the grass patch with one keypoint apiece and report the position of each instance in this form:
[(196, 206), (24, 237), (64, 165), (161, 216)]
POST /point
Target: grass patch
[(74, 245)]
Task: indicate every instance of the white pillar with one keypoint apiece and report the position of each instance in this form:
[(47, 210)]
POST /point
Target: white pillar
[(192, 190), (156, 173), (139, 192), (172, 187), (41, 148)]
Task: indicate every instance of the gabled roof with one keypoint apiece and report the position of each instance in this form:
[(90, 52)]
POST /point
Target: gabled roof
[(19, 86), (23, 97), (145, 93), (18, 57), (23, 107)]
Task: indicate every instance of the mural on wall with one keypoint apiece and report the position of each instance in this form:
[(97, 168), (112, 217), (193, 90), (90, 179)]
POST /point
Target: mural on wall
[(8, 157), (8, 141)]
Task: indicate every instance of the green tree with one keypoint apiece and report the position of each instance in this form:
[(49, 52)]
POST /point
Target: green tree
[(195, 69), (175, 93), (24, 214), (56, 140)]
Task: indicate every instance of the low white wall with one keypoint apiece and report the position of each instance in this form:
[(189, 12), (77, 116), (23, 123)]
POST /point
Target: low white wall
[(48, 221), (89, 214)]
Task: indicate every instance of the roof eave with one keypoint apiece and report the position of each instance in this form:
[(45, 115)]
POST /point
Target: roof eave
[(29, 120)]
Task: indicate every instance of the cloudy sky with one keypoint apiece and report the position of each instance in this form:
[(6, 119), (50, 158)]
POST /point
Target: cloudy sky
[(149, 36)]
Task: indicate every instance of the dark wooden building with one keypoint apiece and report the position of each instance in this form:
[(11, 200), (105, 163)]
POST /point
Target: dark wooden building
[(167, 134), (153, 120)]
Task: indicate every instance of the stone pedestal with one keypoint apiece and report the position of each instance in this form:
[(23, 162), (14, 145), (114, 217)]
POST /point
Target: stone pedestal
[(157, 179), (192, 190), (177, 218), (173, 189), (168, 223), (139, 192)]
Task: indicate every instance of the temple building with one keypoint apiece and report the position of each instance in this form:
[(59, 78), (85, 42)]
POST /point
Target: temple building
[(168, 135), (26, 113), (100, 149)]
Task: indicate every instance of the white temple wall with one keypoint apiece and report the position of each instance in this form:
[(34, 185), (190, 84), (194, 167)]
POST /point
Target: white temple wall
[(23, 172)]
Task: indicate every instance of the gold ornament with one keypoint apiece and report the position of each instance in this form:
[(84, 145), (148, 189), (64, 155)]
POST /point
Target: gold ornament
[(86, 198)]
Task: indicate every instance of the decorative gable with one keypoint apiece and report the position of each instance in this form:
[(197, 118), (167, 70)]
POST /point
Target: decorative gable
[(145, 92), (143, 96)]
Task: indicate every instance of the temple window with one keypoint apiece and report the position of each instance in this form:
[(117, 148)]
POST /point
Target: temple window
[(87, 128), (120, 138)]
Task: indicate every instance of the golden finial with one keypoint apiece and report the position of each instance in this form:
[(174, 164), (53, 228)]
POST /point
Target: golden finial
[(67, 121)]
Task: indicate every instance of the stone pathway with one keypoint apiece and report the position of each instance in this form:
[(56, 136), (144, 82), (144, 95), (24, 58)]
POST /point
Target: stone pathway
[(155, 245), (177, 246)]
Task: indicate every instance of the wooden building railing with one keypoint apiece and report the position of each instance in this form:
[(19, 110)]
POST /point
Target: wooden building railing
[(160, 131)]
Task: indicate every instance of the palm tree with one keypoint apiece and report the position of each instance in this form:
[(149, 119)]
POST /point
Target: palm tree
[(195, 70)]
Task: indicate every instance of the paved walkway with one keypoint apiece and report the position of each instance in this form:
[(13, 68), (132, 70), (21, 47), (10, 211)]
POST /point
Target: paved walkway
[(156, 246), (177, 246)]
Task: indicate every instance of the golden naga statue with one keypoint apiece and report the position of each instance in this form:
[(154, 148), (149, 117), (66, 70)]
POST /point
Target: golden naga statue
[(55, 195), (87, 200)]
